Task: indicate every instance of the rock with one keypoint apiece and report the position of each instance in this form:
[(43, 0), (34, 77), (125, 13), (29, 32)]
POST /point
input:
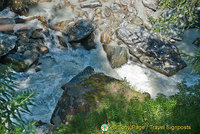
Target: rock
[(62, 41), (16, 61), (115, 6), (92, 4), (90, 93), (197, 42), (89, 42), (155, 54), (37, 69), (37, 34), (7, 43), (81, 30), (18, 7), (3, 4), (107, 12), (44, 50), (26, 53), (79, 77), (117, 55), (105, 38), (151, 4)]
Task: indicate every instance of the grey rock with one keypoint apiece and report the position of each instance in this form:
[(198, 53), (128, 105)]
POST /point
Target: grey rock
[(81, 30), (79, 77), (92, 4), (197, 42), (7, 43), (151, 4), (117, 54), (151, 51)]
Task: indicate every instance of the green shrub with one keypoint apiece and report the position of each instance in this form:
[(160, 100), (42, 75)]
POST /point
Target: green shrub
[(180, 12), (12, 104)]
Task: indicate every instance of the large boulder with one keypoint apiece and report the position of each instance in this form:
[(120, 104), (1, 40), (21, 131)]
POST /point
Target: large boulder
[(117, 54), (88, 94), (151, 51), (7, 43), (82, 32)]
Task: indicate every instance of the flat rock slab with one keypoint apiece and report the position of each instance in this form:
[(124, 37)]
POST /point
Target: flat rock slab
[(159, 55), (82, 29)]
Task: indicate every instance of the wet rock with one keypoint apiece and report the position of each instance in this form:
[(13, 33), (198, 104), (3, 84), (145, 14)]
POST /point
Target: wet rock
[(155, 54), (3, 4), (105, 38), (26, 53), (81, 30), (79, 77), (44, 50), (37, 34), (89, 42), (88, 94), (37, 69), (62, 41), (197, 42), (151, 4), (18, 7), (92, 4), (7, 43), (117, 55)]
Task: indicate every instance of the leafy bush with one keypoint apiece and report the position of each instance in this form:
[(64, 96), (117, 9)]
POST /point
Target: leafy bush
[(194, 61), (179, 13), (12, 104)]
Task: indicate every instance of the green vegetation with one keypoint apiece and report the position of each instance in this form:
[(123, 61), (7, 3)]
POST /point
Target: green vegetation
[(134, 116), (12, 104), (194, 61), (179, 12)]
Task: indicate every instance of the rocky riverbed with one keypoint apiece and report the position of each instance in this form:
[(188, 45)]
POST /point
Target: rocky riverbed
[(52, 41)]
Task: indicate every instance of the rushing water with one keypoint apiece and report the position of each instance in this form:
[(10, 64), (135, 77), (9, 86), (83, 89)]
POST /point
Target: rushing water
[(61, 64)]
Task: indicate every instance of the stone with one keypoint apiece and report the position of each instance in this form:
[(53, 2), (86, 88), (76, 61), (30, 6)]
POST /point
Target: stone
[(25, 54), (117, 55), (105, 38), (44, 50), (62, 41), (197, 42), (89, 42), (37, 34), (161, 56), (88, 94), (107, 12), (81, 30), (7, 43), (92, 4), (79, 77), (151, 4)]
